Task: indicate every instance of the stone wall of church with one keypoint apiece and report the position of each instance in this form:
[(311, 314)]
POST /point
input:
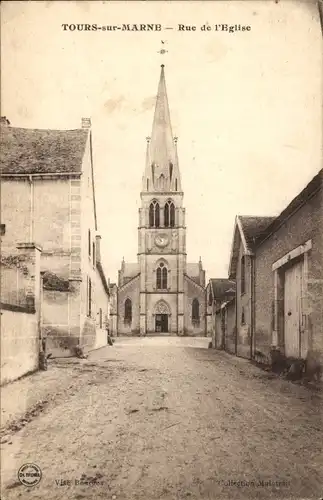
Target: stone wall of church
[(129, 291), (194, 291)]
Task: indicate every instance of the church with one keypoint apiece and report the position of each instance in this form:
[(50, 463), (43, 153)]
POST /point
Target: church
[(161, 293)]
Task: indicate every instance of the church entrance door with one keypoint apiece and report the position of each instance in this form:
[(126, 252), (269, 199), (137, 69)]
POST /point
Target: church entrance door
[(161, 323)]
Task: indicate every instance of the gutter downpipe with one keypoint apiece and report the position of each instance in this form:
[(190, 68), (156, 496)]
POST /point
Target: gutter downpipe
[(31, 229)]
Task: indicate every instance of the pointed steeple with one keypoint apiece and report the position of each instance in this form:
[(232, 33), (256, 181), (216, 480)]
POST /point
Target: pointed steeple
[(162, 172)]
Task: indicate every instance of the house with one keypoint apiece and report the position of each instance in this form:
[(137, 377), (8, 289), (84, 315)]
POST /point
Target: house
[(48, 200), (288, 288), (221, 320), (241, 270)]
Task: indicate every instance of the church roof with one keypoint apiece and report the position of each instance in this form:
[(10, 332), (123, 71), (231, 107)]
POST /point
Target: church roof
[(33, 151), (192, 269), (131, 270), (162, 171)]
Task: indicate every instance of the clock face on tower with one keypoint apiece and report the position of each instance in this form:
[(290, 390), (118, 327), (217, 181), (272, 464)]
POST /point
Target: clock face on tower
[(161, 240)]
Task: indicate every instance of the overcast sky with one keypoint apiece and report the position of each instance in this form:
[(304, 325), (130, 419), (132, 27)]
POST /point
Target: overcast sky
[(246, 106)]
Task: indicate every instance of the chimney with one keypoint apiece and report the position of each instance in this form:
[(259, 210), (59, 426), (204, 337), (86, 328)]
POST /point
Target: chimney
[(97, 248), (86, 122), (4, 121)]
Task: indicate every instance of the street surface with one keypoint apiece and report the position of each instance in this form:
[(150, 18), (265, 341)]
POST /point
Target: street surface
[(162, 418)]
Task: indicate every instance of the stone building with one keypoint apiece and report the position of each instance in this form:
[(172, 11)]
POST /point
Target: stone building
[(220, 292), (241, 270), (288, 283), (48, 198), (20, 316), (277, 263), (161, 292)]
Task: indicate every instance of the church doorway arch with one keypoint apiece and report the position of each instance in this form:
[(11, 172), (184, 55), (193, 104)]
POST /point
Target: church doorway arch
[(162, 317)]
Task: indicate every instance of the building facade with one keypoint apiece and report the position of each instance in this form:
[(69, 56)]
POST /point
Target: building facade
[(277, 264), (288, 291), (220, 292), (161, 292), (241, 270), (48, 198)]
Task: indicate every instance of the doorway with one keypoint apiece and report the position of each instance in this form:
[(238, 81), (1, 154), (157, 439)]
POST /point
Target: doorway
[(293, 309), (161, 323)]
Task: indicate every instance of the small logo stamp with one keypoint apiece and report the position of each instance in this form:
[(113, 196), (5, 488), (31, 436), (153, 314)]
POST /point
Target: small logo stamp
[(29, 474)]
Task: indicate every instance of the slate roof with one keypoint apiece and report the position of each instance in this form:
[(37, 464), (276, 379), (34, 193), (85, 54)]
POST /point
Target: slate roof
[(248, 228), (30, 151), (253, 227), (314, 185), (222, 287), (193, 270), (131, 270)]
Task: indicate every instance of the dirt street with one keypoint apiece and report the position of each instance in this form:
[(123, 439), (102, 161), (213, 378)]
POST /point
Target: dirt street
[(166, 418)]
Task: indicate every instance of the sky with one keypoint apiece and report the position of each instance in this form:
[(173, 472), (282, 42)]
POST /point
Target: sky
[(246, 106)]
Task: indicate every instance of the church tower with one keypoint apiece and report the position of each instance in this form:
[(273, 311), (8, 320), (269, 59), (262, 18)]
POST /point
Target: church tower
[(162, 252), (161, 293)]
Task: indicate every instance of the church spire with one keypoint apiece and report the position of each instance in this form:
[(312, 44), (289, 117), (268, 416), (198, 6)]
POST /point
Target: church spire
[(162, 172)]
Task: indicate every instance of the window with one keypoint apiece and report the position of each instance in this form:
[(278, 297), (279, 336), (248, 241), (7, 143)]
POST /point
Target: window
[(169, 214), (161, 277), (100, 317), (93, 253), (89, 297), (195, 310), (210, 298), (147, 184), (170, 170), (175, 184), (243, 274), (89, 240), (154, 214), (243, 319), (128, 311)]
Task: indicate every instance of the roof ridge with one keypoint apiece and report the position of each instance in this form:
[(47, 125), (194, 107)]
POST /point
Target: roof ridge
[(10, 127)]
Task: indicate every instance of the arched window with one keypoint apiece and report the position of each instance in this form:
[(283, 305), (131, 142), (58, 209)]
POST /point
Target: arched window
[(154, 214), (161, 277), (170, 170), (128, 311), (195, 310), (243, 274), (169, 214)]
